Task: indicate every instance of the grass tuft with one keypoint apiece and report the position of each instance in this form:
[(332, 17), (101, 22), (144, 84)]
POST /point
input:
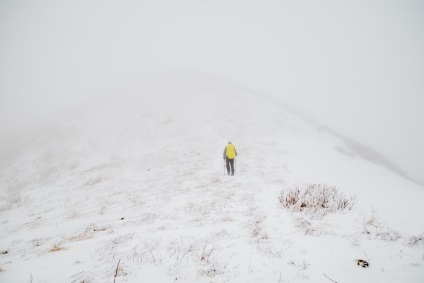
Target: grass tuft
[(315, 200)]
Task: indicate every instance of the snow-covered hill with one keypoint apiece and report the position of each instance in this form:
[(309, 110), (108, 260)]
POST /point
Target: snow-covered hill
[(138, 179)]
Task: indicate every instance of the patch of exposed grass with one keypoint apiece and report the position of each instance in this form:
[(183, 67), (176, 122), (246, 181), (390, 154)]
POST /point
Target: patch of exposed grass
[(315, 200), (57, 248)]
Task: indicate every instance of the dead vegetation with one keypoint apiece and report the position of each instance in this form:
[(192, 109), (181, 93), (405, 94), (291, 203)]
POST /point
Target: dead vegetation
[(210, 272), (416, 240), (315, 200), (374, 229), (83, 277), (56, 248), (307, 227)]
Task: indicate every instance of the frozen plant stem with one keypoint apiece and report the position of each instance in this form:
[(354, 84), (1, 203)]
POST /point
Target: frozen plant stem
[(330, 278), (116, 272)]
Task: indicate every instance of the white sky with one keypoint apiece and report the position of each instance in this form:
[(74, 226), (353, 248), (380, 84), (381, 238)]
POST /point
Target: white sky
[(356, 66)]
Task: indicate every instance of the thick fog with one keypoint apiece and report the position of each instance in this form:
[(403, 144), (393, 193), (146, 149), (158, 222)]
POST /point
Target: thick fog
[(355, 66)]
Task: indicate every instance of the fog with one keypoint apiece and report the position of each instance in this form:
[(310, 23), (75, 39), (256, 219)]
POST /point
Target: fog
[(355, 66)]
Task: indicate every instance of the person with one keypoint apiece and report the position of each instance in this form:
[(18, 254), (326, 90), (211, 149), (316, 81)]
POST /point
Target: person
[(230, 154)]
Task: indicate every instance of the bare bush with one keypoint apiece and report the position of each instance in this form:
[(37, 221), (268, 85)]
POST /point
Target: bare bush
[(316, 200)]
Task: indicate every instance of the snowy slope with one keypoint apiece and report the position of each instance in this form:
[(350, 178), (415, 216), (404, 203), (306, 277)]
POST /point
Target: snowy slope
[(139, 179)]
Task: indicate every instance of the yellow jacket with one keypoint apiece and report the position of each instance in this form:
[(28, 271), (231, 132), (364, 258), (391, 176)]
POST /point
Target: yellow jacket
[(230, 151)]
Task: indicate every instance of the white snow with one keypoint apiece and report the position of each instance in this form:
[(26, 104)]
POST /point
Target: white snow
[(139, 179)]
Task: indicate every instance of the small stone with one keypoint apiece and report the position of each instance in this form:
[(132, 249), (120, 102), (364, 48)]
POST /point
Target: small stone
[(362, 263)]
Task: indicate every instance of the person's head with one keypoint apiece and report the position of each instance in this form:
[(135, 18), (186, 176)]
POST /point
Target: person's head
[(229, 142)]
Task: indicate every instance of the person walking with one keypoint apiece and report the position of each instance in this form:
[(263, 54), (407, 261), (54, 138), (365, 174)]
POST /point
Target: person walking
[(230, 154)]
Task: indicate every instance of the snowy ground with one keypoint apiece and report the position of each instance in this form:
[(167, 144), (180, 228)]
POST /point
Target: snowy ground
[(140, 181)]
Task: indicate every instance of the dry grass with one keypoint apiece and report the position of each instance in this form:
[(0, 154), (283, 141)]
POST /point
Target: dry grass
[(81, 237), (374, 229), (315, 200), (56, 248), (82, 277), (210, 272), (416, 240), (307, 227)]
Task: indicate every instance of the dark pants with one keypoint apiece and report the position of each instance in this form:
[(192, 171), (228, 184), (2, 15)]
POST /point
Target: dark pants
[(230, 165)]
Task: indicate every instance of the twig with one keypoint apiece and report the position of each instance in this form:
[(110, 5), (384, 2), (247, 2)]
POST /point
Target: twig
[(330, 278), (116, 272)]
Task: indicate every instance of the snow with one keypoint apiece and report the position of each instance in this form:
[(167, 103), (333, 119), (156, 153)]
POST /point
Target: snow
[(139, 179)]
